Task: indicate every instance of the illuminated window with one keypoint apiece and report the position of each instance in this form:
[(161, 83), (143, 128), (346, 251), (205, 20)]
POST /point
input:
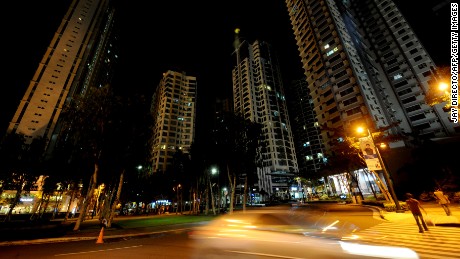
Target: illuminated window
[(397, 76)]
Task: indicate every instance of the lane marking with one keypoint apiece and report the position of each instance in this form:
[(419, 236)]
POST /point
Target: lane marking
[(96, 251), (262, 254)]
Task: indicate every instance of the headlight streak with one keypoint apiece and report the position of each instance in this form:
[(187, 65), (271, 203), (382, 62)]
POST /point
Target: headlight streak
[(330, 226), (379, 251)]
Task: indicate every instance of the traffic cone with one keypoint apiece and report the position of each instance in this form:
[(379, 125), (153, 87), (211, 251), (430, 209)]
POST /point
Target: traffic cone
[(100, 239)]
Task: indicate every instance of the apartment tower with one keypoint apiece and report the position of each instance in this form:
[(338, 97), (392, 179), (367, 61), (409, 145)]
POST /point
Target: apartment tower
[(305, 127), (81, 55), (174, 112), (365, 66), (258, 95)]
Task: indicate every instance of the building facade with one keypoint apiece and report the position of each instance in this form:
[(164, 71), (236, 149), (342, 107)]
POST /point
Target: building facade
[(174, 112), (365, 66), (82, 54), (258, 95), (306, 130)]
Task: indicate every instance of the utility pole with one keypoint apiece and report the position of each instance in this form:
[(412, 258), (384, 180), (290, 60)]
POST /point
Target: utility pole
[(386, 175)]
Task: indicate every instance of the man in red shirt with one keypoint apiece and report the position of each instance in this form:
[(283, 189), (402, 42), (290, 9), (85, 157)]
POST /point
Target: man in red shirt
[(414, 206)]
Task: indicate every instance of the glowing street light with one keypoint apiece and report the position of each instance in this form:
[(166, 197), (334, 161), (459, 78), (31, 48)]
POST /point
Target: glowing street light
[(443, 86), (383, 168)]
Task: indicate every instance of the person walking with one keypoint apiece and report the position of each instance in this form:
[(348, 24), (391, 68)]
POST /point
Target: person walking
[(443, 200), (414, 206)]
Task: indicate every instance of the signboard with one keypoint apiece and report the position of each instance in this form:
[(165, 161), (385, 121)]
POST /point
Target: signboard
[(370, 153)]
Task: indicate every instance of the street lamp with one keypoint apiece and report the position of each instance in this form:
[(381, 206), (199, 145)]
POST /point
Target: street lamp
[(443, 86), (384, 169)]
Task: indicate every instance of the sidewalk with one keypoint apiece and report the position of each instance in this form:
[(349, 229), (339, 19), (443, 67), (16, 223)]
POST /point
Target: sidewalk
[(434, 212), (122, 227)]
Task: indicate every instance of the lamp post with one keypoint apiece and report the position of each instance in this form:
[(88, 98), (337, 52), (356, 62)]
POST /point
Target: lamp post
[(385, 172)]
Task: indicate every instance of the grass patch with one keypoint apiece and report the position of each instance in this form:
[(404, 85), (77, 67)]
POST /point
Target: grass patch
[(163, 221)]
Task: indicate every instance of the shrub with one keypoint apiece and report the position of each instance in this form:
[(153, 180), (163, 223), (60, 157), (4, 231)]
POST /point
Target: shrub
[(391, 206)]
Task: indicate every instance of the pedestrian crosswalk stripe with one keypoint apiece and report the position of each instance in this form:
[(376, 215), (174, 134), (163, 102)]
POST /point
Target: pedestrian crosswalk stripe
[(436, 243)]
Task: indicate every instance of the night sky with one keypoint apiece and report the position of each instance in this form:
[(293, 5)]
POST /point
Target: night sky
[(179, 35)]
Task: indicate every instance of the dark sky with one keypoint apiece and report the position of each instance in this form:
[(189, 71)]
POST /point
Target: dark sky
[(179, 35)]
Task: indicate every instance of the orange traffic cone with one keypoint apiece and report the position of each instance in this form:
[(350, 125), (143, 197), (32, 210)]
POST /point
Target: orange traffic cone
[(100, 239)]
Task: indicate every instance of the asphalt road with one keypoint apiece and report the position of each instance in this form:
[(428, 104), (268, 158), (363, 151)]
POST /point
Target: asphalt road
[(171, 241)]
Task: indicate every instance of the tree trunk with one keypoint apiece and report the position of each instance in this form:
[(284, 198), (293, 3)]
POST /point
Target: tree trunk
[(74, 193), (182, 205), (45, 203), (232, 195), (36, 209), (212, 198), (89, 194), (177, 201), (15, 201), (106, 206), (230, 183), (245, 192), (206, 208), (36, 205), (117, 199), (195, 210), (56, 205)]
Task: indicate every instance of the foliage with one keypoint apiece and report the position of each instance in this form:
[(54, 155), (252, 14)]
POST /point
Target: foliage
[(22, 165), (345, 156), (238, 141), (434, 95), (433, 164), (86, 119), (391, 206)]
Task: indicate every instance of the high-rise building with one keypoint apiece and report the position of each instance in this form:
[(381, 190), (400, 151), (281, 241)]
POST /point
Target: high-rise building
[(305, 128), (258, 96), (82, 54), (365, 66), (174, 112)]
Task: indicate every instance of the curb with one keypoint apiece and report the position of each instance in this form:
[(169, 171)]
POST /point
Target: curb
[(72, 239)]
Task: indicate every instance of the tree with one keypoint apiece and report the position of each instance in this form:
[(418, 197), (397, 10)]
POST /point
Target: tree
[(439, 91), (127, 147), (85, 121), (22, 165), (239, 142), (344, 155)]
